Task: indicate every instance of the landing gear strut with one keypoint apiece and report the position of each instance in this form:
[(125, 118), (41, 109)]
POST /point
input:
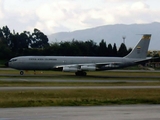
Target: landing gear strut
[(80, 73)]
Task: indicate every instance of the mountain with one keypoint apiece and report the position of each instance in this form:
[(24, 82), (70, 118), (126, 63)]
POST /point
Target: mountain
[(113, 34)]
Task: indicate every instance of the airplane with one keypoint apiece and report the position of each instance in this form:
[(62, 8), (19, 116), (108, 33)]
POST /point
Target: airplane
[(80, 65)]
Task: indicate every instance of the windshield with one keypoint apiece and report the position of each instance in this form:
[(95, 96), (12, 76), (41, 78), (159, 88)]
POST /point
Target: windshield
[(13, 60)]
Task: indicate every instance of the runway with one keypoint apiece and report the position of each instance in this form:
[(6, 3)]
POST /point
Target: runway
[(122, 112), (80, 80)]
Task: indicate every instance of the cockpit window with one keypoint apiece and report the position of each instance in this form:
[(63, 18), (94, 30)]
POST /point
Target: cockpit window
[(13, 60)]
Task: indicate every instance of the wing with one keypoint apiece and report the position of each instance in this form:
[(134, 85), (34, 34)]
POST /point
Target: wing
[(89, 67)]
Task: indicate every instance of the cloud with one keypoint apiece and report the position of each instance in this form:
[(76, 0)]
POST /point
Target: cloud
[(67, 15), (135, 12), (1, 9), (139, 6), (123, 1), (70, 15)]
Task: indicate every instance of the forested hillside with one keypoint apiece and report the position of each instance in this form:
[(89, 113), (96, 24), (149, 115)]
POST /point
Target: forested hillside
[(14, 44)]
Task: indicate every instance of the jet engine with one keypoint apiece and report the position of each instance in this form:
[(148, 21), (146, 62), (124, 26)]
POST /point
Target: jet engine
[(70, 69), (88, 68)]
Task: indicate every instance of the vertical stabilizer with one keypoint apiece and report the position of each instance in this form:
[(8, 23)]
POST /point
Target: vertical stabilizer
[(141, 49)]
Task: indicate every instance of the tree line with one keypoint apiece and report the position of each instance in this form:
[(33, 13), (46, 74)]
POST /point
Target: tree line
[(14, 44)]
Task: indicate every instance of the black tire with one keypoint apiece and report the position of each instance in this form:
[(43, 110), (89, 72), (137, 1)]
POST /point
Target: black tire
[(21, 73)]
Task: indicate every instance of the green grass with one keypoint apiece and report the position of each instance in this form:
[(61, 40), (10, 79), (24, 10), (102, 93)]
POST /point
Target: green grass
[(78, 97), (39, 84), (30, 98)]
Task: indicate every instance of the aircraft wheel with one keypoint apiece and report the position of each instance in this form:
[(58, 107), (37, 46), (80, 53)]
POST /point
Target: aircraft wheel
[(21, 73)]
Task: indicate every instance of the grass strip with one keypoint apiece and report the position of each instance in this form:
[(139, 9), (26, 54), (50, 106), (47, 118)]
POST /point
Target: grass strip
[(89, 73), (39, 84), (79, 97)]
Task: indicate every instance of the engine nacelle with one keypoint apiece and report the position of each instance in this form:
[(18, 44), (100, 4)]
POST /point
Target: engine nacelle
[(88, 68), (70, 69)]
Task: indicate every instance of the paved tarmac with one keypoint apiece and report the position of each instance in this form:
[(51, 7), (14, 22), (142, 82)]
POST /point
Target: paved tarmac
[(93, 80), (122, 112)]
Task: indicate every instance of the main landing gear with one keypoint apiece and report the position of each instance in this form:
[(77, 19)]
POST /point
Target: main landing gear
[(80, 73)]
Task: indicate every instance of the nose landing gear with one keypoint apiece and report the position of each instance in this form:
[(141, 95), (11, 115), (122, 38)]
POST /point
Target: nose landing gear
[(21, 72)]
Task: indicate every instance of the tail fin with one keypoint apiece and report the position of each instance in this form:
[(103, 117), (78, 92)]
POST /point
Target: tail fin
[(141, 49)]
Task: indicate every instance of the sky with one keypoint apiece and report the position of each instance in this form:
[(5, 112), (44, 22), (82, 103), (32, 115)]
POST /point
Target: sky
[(51, 16)]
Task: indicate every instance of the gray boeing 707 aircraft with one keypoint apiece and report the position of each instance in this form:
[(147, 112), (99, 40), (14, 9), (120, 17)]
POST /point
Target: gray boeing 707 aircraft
[(80, 65)]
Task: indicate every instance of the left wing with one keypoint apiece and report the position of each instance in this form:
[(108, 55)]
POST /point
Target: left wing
[(89, 67)]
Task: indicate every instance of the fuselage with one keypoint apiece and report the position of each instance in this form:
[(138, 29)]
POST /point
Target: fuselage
[(51, 62)]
